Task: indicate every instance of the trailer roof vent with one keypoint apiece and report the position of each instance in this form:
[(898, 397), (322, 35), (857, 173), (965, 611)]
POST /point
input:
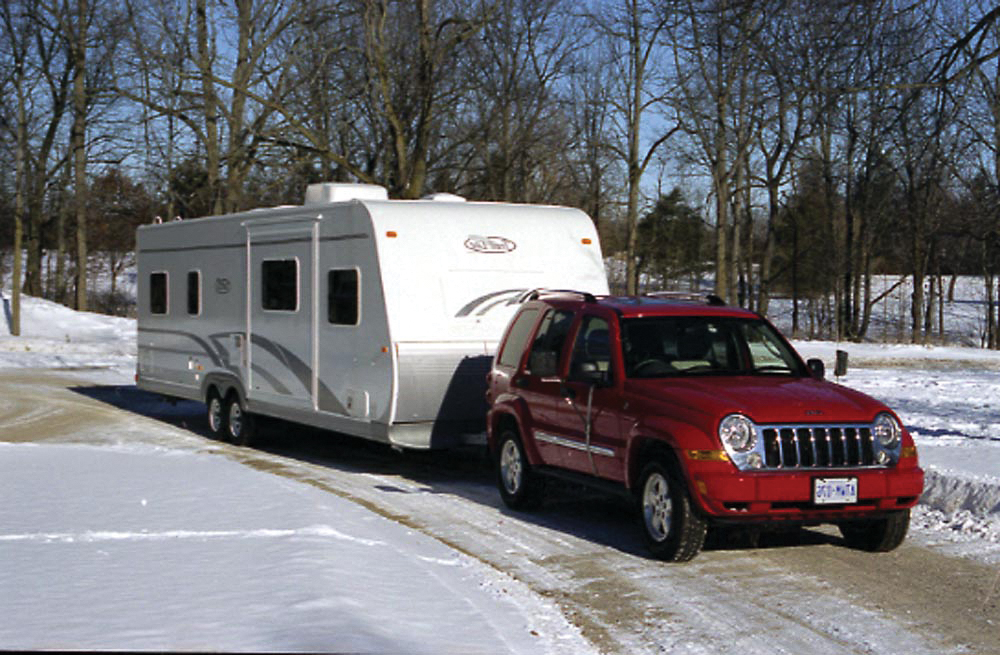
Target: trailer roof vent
[(444, 197), (321, 194)]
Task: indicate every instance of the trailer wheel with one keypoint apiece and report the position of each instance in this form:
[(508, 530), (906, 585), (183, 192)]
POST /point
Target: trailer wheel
[(674, 531), (215, 414), (240, 423), (520, 487), (877, 535)]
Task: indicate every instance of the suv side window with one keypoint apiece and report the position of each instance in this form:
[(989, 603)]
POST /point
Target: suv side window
[(517, 338), (548, 343), (592, 351)]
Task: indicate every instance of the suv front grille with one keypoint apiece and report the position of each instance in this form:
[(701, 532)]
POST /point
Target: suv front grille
[(817, 446)]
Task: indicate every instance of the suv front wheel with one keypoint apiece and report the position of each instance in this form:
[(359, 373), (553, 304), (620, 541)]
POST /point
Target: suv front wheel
[(877, 535), (520, 487), (673, 531)]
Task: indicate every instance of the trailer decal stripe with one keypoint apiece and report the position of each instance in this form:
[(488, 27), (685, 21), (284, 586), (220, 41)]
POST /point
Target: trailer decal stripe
[(298, 368), (225, 246), (270, 379), (471, 306), (180, 333)]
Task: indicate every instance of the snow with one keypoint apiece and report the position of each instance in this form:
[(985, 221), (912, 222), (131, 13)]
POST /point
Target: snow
[(137, 540), (142, 547)]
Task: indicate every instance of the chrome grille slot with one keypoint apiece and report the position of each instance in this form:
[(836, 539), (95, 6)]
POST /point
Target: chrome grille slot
[(772, 453), (807, 447), (817, 446)]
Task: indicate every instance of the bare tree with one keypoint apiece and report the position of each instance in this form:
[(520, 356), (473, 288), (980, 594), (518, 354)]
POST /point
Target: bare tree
[(712, 48), (17, 30), (518, 138), (629, 35)]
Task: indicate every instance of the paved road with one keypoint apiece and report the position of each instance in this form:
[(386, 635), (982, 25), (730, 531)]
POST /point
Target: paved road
[(802, 592)]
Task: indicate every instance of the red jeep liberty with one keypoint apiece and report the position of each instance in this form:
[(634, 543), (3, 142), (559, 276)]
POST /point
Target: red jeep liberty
[(703, 413)]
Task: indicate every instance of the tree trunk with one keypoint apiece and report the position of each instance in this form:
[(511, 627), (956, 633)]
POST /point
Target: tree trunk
[(78, 139), (210, 108), (767, 256), (19, 184), (60, 295)]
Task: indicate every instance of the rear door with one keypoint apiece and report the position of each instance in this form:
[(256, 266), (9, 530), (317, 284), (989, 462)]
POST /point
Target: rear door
[(281, 313), (540, 383), (587, 418)]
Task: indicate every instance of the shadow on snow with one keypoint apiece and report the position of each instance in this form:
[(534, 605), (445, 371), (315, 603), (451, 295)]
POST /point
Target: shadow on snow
[(465, 472)]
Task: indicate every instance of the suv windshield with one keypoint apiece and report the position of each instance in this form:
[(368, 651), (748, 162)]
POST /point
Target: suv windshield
[(667, 346)]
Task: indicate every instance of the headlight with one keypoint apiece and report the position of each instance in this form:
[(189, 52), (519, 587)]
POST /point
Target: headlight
[(886, 430), (737, 433)]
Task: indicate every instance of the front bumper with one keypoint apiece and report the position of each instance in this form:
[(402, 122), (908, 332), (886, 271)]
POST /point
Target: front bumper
[(787, 496)]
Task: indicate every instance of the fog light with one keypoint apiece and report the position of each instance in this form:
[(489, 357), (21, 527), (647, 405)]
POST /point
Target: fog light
[(755, 461), (882, 458)]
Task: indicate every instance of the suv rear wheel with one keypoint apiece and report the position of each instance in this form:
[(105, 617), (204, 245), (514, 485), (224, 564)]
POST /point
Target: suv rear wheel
[(673, 531), (519, 486)]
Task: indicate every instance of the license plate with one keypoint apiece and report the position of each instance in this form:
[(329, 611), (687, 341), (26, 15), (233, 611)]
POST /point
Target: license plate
[(835, 491)]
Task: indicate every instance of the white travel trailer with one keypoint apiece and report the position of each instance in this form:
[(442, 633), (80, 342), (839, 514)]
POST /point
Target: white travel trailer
[(367, 316)]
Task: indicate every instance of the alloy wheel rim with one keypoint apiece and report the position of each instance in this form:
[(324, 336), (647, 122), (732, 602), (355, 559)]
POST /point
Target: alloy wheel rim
[(215, 415), (235, 420), (657, 509), (510, 467)]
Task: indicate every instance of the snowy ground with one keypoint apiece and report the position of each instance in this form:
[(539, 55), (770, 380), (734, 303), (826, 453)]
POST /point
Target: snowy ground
[(118, 542), (119, 549)]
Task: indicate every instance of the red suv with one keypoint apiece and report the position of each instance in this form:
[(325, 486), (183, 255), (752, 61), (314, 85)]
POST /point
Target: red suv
[(703, 413)]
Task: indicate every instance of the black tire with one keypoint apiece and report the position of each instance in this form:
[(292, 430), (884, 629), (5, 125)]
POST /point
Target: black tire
[(520, 487), (240, 424), (877, 535), (215, 414), (674, 532)]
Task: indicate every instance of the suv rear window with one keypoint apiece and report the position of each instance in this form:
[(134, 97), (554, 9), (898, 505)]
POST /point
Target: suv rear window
[(549, 342), (517, 338)]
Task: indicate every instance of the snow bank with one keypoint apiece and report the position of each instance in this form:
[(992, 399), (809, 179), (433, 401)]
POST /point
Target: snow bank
[(54, 336)]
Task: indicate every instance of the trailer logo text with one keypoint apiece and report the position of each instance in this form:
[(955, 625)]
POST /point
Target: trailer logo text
[(489, 245)]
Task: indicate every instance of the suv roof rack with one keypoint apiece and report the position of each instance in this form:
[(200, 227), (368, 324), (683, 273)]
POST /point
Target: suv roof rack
[(534, 294), (708, 299)]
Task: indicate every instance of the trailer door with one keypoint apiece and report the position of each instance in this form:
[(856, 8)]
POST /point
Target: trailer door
[(281, 283)]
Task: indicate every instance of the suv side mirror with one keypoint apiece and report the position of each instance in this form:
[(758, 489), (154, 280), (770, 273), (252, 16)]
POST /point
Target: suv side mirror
[(544, 363), (590, 373), (817, 368)]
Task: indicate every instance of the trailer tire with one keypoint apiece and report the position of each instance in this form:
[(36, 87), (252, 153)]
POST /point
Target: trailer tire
[(215, 414), (673, 529), (240, 424), (520, 487)]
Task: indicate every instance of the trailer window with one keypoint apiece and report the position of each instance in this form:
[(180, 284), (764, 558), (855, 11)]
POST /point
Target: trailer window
[(280, 285), (194, 292), (343, 296), (158, 293)]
